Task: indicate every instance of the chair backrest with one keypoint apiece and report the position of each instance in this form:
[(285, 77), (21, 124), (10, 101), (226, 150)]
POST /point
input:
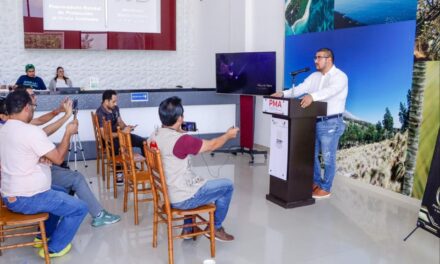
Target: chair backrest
[(96, 129), (97, 132), (126, 153), (158, 180), (108, 139)]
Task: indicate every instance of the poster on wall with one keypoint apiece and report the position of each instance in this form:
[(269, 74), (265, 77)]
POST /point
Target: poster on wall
[(429, 215)]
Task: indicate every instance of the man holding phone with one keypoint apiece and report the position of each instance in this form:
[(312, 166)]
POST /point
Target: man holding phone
[(109, 110), (66, 178)]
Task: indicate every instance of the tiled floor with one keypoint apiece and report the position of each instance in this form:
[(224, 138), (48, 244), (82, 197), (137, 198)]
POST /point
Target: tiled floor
[(358, 224)]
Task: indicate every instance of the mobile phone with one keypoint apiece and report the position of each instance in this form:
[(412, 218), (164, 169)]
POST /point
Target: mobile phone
[(75, 104), (189, 126)]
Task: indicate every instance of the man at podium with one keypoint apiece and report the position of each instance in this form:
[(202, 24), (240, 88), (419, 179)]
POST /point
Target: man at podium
[(328, 84)]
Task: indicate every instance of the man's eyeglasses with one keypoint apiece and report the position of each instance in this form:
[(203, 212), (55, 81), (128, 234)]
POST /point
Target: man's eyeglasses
[(320, 57), (32, 95), (34, 106)]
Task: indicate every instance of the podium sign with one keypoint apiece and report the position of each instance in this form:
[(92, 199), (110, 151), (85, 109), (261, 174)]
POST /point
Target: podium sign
[(278, 106), (292, 150)]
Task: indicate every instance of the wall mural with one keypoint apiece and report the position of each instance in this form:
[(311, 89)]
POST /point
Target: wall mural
[(392, 115)]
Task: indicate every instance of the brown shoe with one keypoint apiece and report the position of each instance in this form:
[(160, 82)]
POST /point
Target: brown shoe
[(314, 187), (220, 235), (321, 194)]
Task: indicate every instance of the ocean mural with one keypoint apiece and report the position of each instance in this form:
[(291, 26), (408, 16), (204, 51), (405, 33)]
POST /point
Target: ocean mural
[(306, 16), (349, 13)]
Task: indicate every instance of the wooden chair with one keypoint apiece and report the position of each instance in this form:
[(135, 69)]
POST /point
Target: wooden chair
[(114, 162), (136, 180), (164, 213), (101, 157), (14, 225)]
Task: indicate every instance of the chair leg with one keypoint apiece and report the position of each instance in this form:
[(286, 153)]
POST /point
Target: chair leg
[(212, 231), (44, 238), (103, 163), (108, 174), (135, 194), (98, 158), (2, 239), (126, 183), (155, 220), (194, 221), (115, 186), (170, 242)]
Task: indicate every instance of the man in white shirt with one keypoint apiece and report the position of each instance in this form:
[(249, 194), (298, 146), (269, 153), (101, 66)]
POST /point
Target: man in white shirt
[(66, 178), (26, 176), (327, 84)]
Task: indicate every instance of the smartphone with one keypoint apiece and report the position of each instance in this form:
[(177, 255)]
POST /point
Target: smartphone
[(189, 126), (75, 104)]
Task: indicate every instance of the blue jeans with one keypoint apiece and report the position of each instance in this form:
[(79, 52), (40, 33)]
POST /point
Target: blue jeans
[(74, 181), (328, 133), (65, 214), (218, 191)]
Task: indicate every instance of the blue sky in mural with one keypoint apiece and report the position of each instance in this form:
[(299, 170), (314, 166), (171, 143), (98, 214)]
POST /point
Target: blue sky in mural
[(369, 12), (377, 59)]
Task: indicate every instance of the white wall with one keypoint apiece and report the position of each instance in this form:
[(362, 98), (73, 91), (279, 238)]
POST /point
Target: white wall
[(121, 69), (203, 28), (265, 32)]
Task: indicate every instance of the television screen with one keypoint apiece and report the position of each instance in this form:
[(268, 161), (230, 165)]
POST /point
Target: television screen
[(252, 73)]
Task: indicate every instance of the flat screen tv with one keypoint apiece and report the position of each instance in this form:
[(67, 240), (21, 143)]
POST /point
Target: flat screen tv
[(251, 73)]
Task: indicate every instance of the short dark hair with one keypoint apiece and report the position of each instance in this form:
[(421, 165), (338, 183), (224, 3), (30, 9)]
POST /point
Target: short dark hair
[(170, 110), (17, 101), (107, 95), (329, 53), (22, 88)]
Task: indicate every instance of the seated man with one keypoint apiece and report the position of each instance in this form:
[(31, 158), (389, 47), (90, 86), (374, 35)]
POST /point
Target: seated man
[(26, 181), (68, 179), (109, 110), (30, 79), (186, 189)]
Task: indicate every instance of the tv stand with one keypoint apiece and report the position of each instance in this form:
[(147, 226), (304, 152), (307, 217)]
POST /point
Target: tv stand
[(246, 131)]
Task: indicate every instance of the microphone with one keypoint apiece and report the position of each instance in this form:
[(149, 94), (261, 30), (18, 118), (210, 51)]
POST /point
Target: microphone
[(294, 73)]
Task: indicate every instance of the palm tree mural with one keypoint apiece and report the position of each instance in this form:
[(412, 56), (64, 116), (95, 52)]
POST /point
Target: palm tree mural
[(415, 119)]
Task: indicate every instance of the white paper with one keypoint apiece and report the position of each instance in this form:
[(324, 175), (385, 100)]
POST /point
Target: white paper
[(279, 147)]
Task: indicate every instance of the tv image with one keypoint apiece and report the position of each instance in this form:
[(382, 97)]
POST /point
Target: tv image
[(247, 73)]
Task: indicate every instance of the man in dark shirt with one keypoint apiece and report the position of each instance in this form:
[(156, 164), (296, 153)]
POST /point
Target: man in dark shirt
[(109, 110), (30, 80)]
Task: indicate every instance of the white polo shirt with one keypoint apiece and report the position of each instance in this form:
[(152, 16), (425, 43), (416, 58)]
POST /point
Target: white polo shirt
[(21, 146), (331, 88)]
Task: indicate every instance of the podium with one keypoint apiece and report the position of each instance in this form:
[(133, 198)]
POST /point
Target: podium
[(292, 150)]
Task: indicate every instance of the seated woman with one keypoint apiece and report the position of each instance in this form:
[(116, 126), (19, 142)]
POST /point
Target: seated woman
[(60, 80), (30, 79)]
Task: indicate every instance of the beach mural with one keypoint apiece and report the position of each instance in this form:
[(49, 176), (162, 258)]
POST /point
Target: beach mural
[(305, 16), (349, 13), (390, 51)]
